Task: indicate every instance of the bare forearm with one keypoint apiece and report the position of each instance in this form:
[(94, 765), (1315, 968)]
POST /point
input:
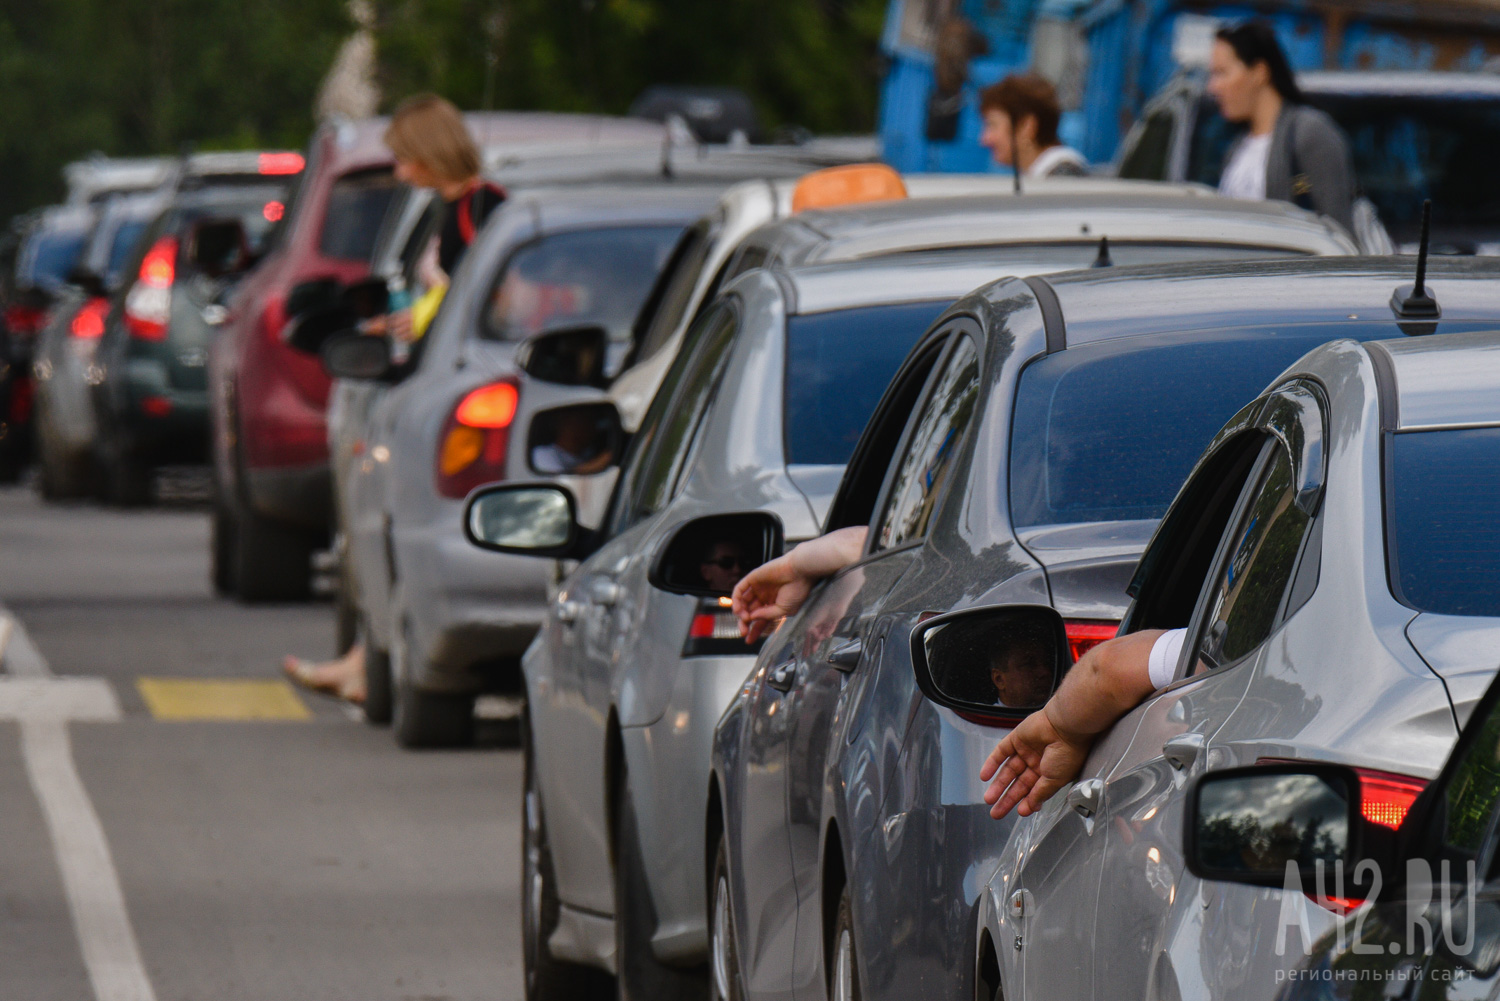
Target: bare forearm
[(828, 554), (1110, 680)]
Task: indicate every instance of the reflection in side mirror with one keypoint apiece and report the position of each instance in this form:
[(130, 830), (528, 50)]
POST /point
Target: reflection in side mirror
[(571, 357), (1245, 825), (366, 299), (992, 665), (219, 247), (575, 440), (309, 331), (707, 556), (316, 294), (356, 356), (530, 519)]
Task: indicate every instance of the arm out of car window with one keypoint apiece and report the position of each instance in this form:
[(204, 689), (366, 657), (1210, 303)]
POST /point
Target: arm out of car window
[(777, 589)]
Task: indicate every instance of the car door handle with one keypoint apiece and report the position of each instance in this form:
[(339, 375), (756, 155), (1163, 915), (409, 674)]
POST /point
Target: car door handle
[(846, 655), (781, 676), (604, 592), (1085, 797), (1182, 750)]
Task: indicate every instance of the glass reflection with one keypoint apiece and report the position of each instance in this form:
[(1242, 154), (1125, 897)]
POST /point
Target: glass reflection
[(1004, 659), (522, 519), (1256, 824)]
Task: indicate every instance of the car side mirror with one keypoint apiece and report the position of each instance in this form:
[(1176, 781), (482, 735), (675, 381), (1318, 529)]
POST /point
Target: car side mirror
[(315, 294), (219, 247), (707, 556), (356, 356), (993, 665), (576, 440), (527, 519), (366, 299), (309, 332), (90, 283), (573, 356), (1266, 824)]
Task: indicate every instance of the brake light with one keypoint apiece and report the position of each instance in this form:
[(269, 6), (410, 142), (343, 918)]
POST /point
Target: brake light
[(715, 631), (475, 438), (273, 211), (88, 322), (148, 305), (1386, 798), (25, 319), (281, 163), (156, 406), (1084, 636)]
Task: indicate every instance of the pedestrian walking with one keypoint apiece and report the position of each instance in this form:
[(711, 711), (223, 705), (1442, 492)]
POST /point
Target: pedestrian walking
[(1291, 152), (1021, 115), (433, 149)]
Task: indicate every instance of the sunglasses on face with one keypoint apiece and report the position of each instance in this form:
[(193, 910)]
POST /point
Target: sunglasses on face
[(725, 563)]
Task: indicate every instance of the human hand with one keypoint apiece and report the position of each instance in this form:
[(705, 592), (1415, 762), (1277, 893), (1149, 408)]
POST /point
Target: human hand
[(398, 325), (1031, 763), (768, 594)]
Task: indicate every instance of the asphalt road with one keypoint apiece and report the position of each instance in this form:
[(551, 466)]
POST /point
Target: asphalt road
[(292, 857)]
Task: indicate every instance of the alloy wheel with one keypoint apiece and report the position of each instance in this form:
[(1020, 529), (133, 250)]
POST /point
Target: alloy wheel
[(722, 945), (843, 967)]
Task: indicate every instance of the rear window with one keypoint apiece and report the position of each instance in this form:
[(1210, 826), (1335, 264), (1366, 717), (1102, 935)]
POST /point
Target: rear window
[(1444, 527), (51, 256), (356, 208), (594, 277), (125, 237), (1109, 431), (837, 366)]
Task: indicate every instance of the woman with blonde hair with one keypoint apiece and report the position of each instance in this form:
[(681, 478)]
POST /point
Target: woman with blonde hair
[(433, 149)]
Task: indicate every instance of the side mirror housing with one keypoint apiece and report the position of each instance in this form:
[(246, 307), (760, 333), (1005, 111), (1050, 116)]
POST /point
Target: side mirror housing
[(315, 294), (573, 356), (526, 519), (576, 440), (311, 331), (994, 665), (707, 556), (219, 247), (356, 356), (1265, 824)]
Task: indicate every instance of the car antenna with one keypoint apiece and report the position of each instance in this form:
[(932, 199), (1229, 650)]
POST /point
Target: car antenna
[(1016, 173), (1414, 302), (1103, 260)]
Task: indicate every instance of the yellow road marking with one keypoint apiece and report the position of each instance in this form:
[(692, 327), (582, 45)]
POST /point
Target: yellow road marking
[(218, 698)]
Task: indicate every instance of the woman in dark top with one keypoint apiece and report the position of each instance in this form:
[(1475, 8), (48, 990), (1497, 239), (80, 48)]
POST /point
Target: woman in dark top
[(434, 150)]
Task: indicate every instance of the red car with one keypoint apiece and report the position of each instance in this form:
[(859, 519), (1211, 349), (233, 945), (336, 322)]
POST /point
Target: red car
[(272, 486)]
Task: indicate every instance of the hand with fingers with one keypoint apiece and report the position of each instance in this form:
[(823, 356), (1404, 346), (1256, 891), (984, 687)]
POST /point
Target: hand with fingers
[(1031, 763), (777, 589)]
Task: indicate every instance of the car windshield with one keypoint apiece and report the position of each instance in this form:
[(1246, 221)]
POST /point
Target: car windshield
[(356, 208), (1109, 431), (1405, 150), (591, 277), (52, 255), (1444, 527), (837, 366)]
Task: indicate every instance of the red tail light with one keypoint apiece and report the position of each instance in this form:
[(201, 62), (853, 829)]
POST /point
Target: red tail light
[(281, 163), (1084, 636), (25, 319), (156, 406), (715, 631), (273, 211), (88, 322), (1385, 798), (472, 447), (148, 305)]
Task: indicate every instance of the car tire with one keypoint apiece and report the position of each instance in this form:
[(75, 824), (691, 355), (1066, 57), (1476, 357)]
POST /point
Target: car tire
[(723, 946), (379, 700), (843, 957), (272, 562), (432, 719), (222, 549), (641, 976), (546, 977), (345, 615), (127, 480)]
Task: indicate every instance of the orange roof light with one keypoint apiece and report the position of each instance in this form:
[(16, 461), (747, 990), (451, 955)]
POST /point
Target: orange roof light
[(849, 185)]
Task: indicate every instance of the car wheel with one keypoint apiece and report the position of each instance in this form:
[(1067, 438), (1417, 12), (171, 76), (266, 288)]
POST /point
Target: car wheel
[(426, 719), (843, 966), (378, 689), (127, 480), (642, 977), (222, 549), (723, 953), (547, 978), (272, 562)]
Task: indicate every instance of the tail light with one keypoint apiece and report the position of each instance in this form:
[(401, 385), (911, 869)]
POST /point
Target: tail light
[(22, 391), (280, 163), (88, 322), (25, 319), (1084, 636), (148, 305), (476, 435), (716, 632), (156, 406)]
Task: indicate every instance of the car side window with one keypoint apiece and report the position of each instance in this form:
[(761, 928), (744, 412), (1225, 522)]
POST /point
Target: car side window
[(931, 447), (654, 464), (1244, 602), (1148, 159)]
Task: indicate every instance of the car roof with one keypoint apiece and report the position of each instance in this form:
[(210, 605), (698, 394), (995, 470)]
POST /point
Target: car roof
[(821, 288), (1076, 213), (587, 205), (1445, 382), (1409, 83), (1114, 302)]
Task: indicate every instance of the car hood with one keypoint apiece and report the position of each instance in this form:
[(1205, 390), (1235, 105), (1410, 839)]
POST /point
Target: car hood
[(1463, 650), (1089, 565)]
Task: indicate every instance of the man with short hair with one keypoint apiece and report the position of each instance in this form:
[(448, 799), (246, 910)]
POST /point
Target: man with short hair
[(1021, 114)]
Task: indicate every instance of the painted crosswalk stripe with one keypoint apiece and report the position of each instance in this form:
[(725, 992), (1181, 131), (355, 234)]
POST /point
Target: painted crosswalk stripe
[(221, 699)]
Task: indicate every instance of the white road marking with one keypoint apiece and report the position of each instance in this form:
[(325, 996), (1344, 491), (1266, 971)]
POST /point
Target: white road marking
[(43, 705)]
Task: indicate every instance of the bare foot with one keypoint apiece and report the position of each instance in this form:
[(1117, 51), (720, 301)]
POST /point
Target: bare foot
[(344, 677)]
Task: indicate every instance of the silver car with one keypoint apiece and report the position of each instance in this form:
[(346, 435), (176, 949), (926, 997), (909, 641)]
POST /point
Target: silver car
[(741, 448), (1349, 614)]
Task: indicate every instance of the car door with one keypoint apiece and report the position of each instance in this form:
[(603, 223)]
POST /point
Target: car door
[(603, 599)]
